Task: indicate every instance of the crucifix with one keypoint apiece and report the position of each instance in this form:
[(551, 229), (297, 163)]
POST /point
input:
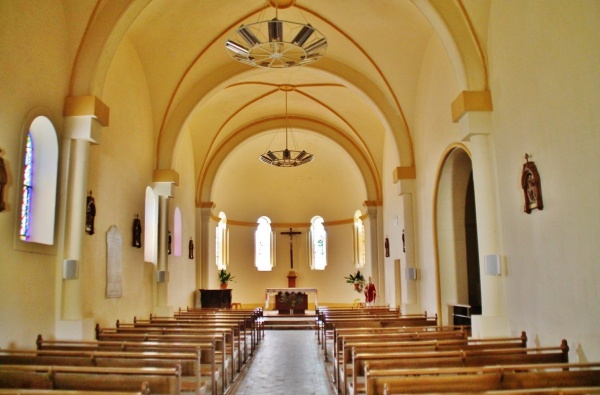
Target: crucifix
[(291, 234)]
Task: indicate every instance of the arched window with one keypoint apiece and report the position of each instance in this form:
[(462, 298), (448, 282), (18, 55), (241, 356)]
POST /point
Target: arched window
[(317, 244), (264, 245), (222, 243), (360, 251), (39, 176), (151, 227)]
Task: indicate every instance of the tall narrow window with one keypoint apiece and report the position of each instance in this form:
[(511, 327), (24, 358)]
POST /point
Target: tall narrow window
[(360, 252), (27, 190), (264, 245), (318, 244), (38, 183), (222, 242)]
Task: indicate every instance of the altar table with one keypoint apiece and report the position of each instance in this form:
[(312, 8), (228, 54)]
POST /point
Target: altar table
[(269, 291)]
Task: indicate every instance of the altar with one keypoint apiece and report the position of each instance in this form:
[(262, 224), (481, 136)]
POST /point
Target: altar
[(270, 291)]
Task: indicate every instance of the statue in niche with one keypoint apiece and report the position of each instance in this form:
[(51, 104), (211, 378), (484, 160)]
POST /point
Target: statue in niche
[(3, 182), (137, 232), (387, 247), (169, 244), (90, 214), (191, 249)]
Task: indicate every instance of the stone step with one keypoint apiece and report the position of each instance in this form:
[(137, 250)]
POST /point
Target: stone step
[(282, 322)]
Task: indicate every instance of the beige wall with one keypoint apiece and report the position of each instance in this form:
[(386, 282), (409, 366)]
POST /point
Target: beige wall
[(34, 70), (545, 83)]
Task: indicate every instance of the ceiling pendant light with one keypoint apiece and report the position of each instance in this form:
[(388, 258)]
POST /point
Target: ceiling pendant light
[(276, 43), (286, 157)]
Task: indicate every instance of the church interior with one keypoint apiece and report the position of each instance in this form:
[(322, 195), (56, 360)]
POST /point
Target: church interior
[(446, 149)]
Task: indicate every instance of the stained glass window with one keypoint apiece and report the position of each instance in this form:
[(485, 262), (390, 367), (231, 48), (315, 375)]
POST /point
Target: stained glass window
[(264, 245), (24, 230), (318, 244), (360, 251), (222, 242)]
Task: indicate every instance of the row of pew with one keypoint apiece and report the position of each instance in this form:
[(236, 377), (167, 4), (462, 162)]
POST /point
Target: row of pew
[(378, 351), (196, 351)]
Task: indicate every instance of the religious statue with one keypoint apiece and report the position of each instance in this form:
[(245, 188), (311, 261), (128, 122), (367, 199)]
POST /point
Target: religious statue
[(370, 293), (387, 247), (90, 214), (532, 190), (137, 232), (3, 182), (191, 249), (169, 243)]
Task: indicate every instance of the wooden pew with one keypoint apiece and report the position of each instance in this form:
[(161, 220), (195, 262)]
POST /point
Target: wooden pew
[(149, 380), (390, 334), (231, 330), (487, 378), (385, 344), (457, 358), (189, 362), (229, 355), (206, 350), (20, 391), (330, 324)]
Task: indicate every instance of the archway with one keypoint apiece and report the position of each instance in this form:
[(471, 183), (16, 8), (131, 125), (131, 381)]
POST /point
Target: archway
[(456, 231)]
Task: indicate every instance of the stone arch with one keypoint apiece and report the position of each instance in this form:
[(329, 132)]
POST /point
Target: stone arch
[(364, 163)]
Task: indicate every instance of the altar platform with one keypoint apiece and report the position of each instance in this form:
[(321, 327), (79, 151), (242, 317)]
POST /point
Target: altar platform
[(273, 320)]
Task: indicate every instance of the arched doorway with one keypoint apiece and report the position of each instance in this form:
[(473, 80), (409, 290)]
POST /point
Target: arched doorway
[(456, 230)]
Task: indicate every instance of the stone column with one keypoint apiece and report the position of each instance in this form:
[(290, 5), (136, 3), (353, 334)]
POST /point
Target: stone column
[(163, 188), (375, 247), (472, 110), (206, 213), (84, 117)]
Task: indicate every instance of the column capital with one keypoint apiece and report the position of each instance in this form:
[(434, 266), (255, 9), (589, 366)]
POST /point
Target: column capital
[(91, 106), (469, 101), (206, 211)]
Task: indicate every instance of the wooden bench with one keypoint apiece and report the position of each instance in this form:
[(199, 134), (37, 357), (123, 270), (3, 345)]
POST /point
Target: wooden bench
[(343, 335), (189, 362), (384, 344), (20, 391), (488, 378), (148, 380), (205, 350), (458, 358), (234, 341)]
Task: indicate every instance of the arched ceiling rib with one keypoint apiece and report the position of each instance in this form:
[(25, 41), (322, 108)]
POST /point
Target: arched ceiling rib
[(375, 50)]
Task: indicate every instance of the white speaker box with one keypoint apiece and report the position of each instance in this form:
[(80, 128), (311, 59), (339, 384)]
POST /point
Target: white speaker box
[(161, 276), (411, 273), (70, 269), (493, 265)]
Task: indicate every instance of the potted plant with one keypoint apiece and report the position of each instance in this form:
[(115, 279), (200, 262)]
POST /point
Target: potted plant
[(357, 279), (225, 277)]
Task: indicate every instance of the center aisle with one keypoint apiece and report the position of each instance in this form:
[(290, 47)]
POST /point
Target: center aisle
[(286, 362)]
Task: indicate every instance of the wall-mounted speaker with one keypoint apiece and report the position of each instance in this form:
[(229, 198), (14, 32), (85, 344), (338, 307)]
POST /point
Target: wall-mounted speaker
[(161, 276), (70, 269), (411, 273), (493, 265)]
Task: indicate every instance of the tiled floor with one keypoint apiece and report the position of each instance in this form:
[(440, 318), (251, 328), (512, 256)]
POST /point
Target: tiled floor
[(286, 362)]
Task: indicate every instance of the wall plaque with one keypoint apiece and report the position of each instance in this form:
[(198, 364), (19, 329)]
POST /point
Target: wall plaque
[(114, 243)]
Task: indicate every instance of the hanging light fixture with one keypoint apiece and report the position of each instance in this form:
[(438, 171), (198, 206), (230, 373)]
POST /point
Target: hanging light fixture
[(275, 43), (286, 157)]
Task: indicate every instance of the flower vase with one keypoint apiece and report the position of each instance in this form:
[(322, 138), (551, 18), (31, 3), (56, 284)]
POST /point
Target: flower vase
[(224, 286)]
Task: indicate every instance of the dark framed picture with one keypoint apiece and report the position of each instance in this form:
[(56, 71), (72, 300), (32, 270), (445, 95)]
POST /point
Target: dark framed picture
[(532, 188)]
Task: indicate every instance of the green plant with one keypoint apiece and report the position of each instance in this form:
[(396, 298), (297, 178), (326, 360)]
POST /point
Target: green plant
[(225, 276), (357, 279)]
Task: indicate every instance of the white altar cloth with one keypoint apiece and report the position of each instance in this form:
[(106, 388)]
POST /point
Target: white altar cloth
[(269, 291)]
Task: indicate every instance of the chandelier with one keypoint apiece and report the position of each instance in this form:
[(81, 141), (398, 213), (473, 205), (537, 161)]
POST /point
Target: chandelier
[(286, 157), (276, 44)]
